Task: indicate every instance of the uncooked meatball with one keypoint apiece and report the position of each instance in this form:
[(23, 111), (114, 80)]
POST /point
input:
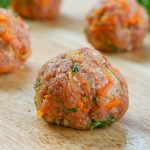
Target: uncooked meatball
[(37, 9), (14, 41), (81, 90), (117, 25)]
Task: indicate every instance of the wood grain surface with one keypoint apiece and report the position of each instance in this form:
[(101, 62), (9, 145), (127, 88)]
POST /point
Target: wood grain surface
[(21, 129)]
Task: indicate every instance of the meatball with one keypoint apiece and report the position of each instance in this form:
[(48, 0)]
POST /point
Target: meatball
[(14, 42), (114, 26), (80, 89), (37, 9)]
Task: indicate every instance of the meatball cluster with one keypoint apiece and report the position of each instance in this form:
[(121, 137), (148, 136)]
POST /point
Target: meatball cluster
[(81, 90), (14, 41), (117, 25), (37, 9)]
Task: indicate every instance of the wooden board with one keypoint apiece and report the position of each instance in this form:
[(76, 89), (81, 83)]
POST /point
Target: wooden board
[(20, 129)]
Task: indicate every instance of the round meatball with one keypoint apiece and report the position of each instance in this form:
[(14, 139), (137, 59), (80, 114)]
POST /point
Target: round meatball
[(14, 41), (37, 9), (81, 90), (117, 25)]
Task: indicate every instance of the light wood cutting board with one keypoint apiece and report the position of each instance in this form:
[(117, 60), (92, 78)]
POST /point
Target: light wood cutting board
[(20, 129)]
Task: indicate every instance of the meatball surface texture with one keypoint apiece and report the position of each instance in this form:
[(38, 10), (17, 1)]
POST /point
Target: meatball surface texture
[(117, 25), (81, 90), (14, 41), (37, 9)]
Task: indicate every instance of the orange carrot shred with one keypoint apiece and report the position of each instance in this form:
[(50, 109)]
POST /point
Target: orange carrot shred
[(40, 113), (3, 18), (100, 11), (80, 104), (113, 104), (47, 97), (86, 110), (134, 19), (103, 92)]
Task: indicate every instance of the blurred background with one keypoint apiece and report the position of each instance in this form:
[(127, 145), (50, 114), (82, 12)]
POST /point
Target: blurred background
[(74, 4)]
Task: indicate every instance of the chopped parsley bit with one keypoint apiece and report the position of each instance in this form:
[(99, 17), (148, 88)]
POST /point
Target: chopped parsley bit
[(146, 4), (71, 110), (94, 100), (35, 102), (37, 84), (75, 68), (111, 47), (102, 123), (4, 3)]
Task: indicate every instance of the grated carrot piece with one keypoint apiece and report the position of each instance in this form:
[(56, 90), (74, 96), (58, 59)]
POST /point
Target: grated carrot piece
[(40, 113), (101, 28), (113, 104), (3, 18), (43, 109), (103, 92), (86, 110), (44, 3), (124, 5), (133, 20), (80, 105), (100, 11), (47, 97)]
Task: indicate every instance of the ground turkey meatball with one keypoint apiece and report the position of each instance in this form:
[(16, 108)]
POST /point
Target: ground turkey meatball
[(37, 9), (14, 41), (117, 25), (81, 90)]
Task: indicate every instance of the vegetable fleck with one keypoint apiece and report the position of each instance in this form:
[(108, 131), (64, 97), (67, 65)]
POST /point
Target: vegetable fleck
[(94, 100), (75, 68), (71, 110), (35, 102), (4, 3), (37, 84), (102, 123), (146, 4), (111, 47)]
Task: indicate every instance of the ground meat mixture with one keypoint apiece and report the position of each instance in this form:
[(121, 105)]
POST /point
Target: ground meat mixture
[(37, 9), (117, 25), (14, 41), (81, 90)]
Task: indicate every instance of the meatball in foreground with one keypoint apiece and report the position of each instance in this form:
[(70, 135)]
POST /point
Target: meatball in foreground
[(14, 41), (81, 90), (117, 25), (37, 9)]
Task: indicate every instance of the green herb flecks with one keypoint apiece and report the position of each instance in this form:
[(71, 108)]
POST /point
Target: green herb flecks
[(35, 102), (75, 69), (37, 84), (4, 3), (71, 110), (111, 47), (102, 123), (94, 100), (146, 4)]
